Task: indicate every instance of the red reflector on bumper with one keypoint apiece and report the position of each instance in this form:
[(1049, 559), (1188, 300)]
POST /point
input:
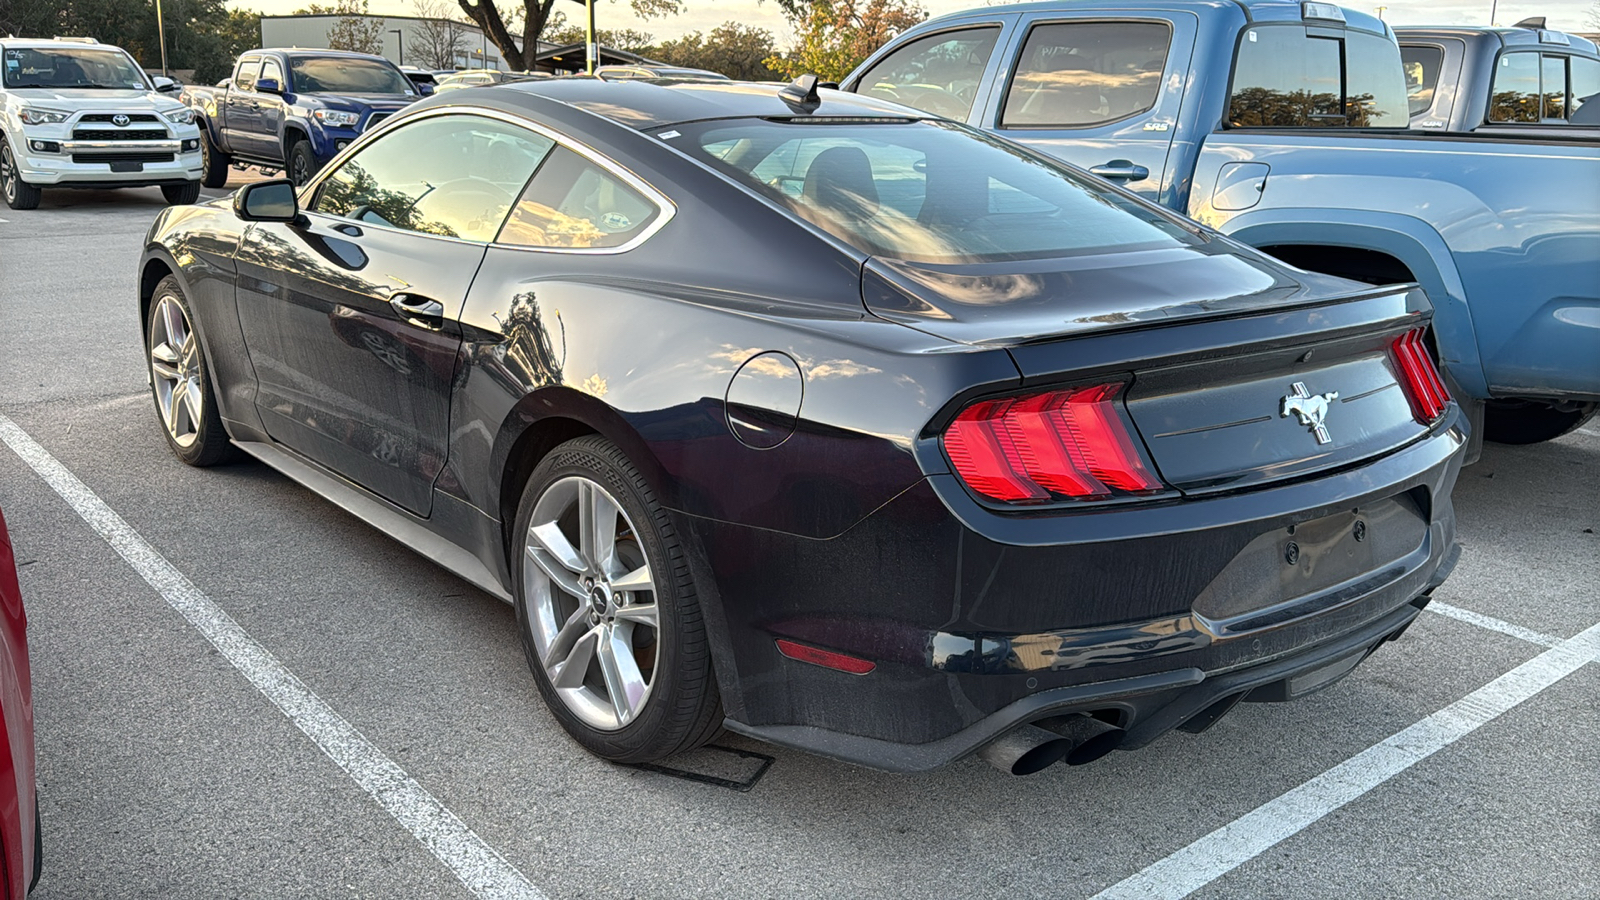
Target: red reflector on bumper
[(825, 658)]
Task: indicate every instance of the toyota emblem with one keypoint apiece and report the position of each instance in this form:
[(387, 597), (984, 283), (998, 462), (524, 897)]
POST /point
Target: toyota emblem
[(119, 120)]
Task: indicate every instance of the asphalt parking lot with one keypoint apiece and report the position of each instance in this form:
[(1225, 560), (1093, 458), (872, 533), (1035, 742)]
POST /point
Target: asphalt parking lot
[(373, 730)]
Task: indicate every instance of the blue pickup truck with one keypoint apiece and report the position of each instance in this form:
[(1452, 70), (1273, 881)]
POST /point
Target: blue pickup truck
[(1285, 125), (1526, 79), (294, 109)]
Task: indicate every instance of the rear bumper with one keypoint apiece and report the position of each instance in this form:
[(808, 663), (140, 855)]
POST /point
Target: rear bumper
[(979, 623)]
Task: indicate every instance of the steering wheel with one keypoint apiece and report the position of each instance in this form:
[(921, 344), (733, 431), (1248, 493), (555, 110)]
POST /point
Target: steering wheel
[(471, 200)]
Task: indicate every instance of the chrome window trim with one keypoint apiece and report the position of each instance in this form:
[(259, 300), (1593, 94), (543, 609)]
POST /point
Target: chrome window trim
[(665, 208)]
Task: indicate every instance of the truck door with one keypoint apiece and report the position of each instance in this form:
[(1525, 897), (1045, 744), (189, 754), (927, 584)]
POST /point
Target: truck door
[(241, 121), (267, 134), (1102, 94)]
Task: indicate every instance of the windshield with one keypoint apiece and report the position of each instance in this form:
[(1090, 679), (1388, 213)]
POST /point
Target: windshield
[(72, 67), (926, 191), (342, 75)]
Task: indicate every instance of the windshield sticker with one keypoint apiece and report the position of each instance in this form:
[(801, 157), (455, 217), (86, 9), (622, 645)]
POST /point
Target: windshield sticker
[(669, 135)]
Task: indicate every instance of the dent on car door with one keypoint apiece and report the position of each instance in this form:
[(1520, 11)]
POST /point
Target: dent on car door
[(351, 318), (1102, 95)]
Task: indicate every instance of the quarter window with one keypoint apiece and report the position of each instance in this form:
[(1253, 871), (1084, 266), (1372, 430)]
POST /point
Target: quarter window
[(1585, 108), (1515, 96), (573, 204), (939, 74), (1553, 86), (1422, 75), (1074, 75), (1285, 77), (454, 176)]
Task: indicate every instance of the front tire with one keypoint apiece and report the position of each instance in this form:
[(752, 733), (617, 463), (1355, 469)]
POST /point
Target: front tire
[(607, 609), (185, 194), (214, 163), (1532, 422), (18, 193), (302, 163), (180, 383)]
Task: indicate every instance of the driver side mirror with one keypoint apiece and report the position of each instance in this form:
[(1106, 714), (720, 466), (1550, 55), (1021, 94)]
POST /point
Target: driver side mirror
[(166, 85), (268, 201), (269, 86)]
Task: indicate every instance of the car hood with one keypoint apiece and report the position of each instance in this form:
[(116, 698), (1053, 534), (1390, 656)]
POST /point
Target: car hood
[(1021, 301), (90, 100), (371, 101)]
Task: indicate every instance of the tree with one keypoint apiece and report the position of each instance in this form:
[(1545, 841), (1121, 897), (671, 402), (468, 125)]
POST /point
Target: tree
[(837, 35), (737, 51), (559, 31), (533, 16), (203, 35), (439, 38), (356, 30)]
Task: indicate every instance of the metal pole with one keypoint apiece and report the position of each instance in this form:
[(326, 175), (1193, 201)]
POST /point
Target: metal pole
[(1493, 8), (592, 51), (1380, 12), (161, 36)]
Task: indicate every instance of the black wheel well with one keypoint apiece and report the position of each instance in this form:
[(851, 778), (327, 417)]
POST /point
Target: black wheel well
[(154, 271), (1355, 263), (531, 447)]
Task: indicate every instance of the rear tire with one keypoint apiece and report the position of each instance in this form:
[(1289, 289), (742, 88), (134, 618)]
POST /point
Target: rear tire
[(214, 163), (611, 606), (1531, 422), (18, 193), (180, 381), (185, 194)]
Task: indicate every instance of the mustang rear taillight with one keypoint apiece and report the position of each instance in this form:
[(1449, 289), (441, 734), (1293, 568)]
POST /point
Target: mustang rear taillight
[(1421, 379), (1072, 444)]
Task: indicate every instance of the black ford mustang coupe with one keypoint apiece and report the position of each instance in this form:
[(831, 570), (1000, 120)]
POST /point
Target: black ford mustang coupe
[(816, 418)]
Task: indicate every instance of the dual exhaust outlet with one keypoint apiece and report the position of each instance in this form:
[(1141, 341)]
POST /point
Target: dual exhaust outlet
[(1075, 740)]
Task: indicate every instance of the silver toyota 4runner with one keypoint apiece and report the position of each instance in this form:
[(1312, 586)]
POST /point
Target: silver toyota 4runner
[(76, 113)]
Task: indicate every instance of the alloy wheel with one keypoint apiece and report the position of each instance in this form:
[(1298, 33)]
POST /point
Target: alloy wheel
[(8, 173), (175, 372), (591, 600)]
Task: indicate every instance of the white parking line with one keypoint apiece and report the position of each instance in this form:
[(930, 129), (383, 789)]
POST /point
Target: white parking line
[(483, 870), (1493, 624), (1257, 831), (4, 221)]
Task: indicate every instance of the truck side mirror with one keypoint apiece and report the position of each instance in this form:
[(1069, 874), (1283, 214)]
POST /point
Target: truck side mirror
[(269, 86), (267, 201), (166, 85)]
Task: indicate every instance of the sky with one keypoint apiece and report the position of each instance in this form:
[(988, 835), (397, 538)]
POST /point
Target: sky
[(704, 15)]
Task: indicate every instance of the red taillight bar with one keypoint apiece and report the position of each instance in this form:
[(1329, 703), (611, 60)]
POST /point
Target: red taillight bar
[(1419, 377), (828, 659), (1059, 444)]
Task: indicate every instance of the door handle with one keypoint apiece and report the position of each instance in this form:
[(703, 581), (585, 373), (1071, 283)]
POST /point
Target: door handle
[(1121, 169), (429, 313)]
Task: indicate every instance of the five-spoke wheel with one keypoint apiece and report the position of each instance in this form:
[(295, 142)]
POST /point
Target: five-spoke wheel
[(179, 382)]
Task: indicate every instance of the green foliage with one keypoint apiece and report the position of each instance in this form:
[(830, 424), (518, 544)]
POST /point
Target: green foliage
[(203, 35), (560, 31), (737, 51), (355, 31), (835, 36)]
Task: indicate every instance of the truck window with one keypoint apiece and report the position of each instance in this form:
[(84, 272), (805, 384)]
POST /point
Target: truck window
[(1553, 86), (1077, 74), (1284, 77), (244, 78), (1515, 95), (1585, 109), (1422, 64), (271, 69), (939, 74)]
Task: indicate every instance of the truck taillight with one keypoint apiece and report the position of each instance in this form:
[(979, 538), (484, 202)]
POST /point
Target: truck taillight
[(1419, 377), (1069, 444)]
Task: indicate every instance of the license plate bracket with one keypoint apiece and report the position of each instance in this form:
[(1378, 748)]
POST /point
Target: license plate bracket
[(121, 166)]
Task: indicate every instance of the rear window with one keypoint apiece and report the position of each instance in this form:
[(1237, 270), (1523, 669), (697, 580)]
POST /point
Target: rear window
[(1288, 76), (926, 191), (1422, 64)]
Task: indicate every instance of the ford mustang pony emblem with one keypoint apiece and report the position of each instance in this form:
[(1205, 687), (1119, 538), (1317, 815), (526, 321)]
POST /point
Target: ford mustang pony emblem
[(1312, 411)]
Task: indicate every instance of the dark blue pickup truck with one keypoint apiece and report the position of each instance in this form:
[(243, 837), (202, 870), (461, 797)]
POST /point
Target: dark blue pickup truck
[(294, 109)]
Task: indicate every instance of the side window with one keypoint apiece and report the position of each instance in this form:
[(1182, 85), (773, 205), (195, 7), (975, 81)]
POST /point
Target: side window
[(939, 74), (1079, 74), (271, 69), (1515, 95), (245, 78), (1553, 86), (574, 204), (454, 176), (1422, 75), (1585, 109), (1284, 77)]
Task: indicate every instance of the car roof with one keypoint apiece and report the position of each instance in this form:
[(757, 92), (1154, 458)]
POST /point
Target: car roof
[(1510, 36), (1257, 11), (40, 43), (655, 102)]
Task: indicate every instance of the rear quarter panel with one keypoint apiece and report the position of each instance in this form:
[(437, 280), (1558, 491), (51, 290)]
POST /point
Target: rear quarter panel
[(17, 775)]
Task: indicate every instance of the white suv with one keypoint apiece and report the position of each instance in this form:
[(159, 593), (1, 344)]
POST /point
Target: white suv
[(75, 113)]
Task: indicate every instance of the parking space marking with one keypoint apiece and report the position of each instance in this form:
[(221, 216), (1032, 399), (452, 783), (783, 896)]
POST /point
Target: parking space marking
[(479, 867), (1259, 830), (1493, 624)]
